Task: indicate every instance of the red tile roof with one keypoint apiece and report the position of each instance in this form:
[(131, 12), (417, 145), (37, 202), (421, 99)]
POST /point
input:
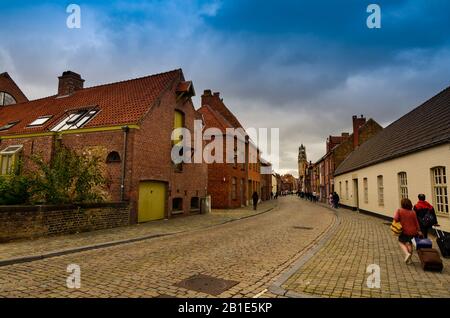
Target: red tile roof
[(120, 103)]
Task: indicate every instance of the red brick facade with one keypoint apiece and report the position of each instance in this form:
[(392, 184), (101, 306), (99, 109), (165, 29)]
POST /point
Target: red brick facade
[(148, 145), (230, 185)]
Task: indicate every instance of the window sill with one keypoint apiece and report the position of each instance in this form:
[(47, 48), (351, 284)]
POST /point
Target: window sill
[(177, 212)]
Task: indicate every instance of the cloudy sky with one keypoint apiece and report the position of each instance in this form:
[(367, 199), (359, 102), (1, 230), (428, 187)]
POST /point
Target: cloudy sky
[(302, 66)]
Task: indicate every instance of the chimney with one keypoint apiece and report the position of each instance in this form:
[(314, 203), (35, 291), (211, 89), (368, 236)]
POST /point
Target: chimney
[(357, 123), (69, 82), (207, 92), (345, 135)]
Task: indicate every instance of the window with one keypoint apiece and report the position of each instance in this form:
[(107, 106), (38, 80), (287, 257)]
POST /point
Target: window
[(366, 190), (40, 121), (340, 188), (233, 188), (346, 190), (6, 99), (75, 120), (440, 191), (195, 203), (177, 205), (178, 122), (9, 125), (9, 159), (113, 156), (380, 191), (403, 185)]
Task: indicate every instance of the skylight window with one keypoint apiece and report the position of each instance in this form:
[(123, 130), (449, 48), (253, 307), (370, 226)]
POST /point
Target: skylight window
[(40, 121), (75, 120), (8, 125)]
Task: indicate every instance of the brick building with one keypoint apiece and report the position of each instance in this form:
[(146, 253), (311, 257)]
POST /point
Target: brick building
[(230, 185), (338, 148), (128, 124), (266, 182)]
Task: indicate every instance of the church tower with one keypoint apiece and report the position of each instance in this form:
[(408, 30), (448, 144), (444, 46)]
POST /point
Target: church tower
[(302, 164)]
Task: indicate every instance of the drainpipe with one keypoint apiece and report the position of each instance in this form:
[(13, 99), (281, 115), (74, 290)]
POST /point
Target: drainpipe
[(125, 130)]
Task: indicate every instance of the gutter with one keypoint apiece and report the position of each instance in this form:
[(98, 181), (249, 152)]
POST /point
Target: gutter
[(125, 130)]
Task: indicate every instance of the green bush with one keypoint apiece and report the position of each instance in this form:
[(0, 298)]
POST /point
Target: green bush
[(68, 178), (14, 190)]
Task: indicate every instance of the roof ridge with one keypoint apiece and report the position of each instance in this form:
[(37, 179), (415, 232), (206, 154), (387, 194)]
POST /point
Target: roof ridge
[(132, 79)]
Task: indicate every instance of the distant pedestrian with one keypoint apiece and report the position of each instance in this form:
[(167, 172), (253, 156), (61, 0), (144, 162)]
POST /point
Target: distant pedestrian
[(330, 200), (336, 200), (255, 198), (425, 215), (410, 228)]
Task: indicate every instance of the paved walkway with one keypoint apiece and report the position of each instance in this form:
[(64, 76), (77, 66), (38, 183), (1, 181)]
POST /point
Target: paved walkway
[(27, 248), (338, 269), (253, 252)]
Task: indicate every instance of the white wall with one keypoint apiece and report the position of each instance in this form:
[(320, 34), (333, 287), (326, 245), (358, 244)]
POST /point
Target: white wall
[(418, 168)]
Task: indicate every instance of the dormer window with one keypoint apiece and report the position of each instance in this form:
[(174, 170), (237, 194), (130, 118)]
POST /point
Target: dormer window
[(39, 121), (6, 99), (8, 125), (76, 120)]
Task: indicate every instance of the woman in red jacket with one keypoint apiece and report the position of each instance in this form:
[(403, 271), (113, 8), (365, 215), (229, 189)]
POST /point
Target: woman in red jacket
[(410, 228)]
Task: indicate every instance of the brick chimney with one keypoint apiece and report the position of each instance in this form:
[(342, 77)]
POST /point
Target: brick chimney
[(69, 82), (357, 123)]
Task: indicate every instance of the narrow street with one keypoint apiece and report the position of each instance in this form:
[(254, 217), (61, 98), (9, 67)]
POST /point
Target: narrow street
[(251, 253)]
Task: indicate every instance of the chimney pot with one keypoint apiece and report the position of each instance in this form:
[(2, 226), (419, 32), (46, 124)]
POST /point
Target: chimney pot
[(207, 92), (69, 82), (217, 94)]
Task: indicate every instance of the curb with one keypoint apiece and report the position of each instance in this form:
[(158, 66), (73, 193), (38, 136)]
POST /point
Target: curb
[(277, 289), (32, 258)]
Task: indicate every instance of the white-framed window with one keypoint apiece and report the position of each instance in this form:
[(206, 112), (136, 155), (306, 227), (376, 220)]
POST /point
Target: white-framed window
[(39, 121), (403, 185), (366, 190), (9, 158), (380, 190), (346, 190), (6, 99), (440, 190), (75, 120)]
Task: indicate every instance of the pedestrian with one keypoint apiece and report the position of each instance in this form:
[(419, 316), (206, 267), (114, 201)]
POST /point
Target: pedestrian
[(425, 215), (410, 227), (330, 200), (314, 196), (336, 200), (255, 198)]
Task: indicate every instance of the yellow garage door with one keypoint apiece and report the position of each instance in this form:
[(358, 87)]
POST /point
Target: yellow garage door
[(152, 199)]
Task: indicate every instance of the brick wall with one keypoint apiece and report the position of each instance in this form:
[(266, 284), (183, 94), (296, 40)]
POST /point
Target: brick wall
[(26, 222)]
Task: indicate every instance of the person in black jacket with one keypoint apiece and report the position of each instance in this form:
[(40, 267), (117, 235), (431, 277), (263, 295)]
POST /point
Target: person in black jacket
[(255, 198), (336, 200), (425, 215)]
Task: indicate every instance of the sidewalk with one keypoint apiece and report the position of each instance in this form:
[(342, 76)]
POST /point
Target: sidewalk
[(29, 250), (338, 268)]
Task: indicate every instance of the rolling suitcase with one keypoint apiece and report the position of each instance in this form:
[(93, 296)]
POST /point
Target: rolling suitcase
[(430, 259), (422, 243), (443, 242)]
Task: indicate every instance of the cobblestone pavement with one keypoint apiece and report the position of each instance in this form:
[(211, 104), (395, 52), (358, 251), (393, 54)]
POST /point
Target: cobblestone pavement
[(56, 243), (253, 251), (339, 268)]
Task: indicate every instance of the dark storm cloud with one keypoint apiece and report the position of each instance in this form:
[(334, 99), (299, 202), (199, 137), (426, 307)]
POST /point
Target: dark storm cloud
[(303, 66)]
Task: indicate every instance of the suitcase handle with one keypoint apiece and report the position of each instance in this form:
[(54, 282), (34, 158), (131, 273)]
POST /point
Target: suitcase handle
[(439, 232)]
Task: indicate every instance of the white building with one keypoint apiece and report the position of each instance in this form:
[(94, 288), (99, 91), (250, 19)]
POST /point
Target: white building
[(409, 157)]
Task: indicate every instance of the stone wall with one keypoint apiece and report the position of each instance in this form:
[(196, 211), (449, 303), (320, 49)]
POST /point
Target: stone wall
[(27, 222)]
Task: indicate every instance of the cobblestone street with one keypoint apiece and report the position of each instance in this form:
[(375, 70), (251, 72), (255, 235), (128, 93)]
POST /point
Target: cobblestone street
[(338, 269), (251, 251)]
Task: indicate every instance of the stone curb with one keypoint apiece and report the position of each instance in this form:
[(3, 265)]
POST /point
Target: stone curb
[(277, 289), (32, 258)]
